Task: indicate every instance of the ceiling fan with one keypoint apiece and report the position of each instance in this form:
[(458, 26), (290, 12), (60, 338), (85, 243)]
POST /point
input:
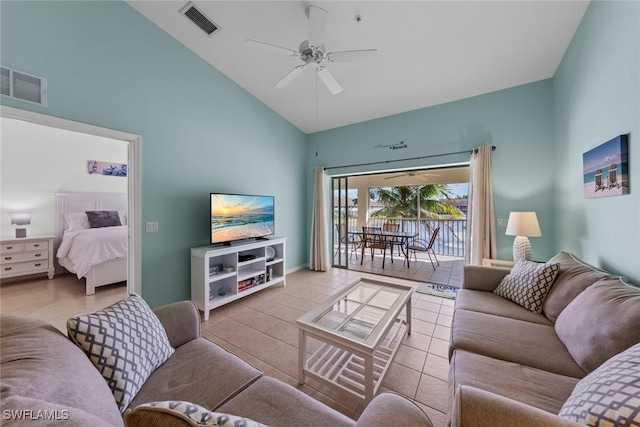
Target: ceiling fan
[(412, 174), (312, 53)]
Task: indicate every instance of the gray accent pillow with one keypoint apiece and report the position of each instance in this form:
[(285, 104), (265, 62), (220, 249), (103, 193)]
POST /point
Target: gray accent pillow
[(573, 277), (610, 395), (600, 322), (99, 219), (126, 342), (178, 413), (528, 284)]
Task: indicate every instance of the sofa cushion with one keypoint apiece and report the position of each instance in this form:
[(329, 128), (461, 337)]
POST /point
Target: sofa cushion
[(490, 303), (528, 283), (610, 395), (275, 403), (512, 340), (182, 414), (535, 387), (200, 372), (41, 369), (573, 277), (600, 322), (125, 341)]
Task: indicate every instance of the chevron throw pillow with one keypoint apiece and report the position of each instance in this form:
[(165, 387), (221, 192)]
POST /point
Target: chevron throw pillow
[(184, 414), (528, 284), (610, 395), (125, 341)]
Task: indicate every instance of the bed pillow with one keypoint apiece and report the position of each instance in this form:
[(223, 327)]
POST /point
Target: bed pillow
[(123, 218), (177, 413), (126, 342), (528, 284), (609, 395), (76, 221), (99, 219)]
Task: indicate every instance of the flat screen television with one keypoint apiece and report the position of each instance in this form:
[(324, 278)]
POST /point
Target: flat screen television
[(240, 216)]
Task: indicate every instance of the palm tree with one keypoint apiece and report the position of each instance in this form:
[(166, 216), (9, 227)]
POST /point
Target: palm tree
[(403, 201)]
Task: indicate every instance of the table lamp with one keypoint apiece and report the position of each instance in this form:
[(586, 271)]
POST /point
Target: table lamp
[(21, 218), (522, 225)]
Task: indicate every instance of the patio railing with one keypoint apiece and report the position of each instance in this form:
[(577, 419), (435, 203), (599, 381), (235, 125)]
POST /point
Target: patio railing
[(450, 240)]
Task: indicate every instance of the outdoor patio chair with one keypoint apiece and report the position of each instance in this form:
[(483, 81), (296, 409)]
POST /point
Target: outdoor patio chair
[(389, 226), (352, 241), (373, 239), (419, 245)]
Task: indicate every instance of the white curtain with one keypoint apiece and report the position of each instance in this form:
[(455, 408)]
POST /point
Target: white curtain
[(319, 260), (481, 228)]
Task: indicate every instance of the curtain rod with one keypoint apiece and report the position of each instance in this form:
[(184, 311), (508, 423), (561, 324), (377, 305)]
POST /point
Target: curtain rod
[(475, 150)]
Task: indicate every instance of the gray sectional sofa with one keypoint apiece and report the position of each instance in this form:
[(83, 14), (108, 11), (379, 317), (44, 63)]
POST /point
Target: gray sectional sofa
[(510, 366), (48, 380)]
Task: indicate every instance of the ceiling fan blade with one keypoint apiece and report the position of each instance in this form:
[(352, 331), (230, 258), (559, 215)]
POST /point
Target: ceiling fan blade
[(395, 176), (290, 76), (317, 22), (329, 81), (271, 48), (352, 55)]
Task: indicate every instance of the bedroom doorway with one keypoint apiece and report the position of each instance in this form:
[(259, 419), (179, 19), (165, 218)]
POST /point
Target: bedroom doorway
[(132, 141)]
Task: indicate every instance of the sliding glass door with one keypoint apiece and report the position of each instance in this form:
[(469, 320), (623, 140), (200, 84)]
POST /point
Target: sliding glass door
[(342, 213)]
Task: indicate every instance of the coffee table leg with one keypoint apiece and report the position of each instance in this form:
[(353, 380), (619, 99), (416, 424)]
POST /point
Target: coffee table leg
[(409, 315), (302, 355), (368, 378)]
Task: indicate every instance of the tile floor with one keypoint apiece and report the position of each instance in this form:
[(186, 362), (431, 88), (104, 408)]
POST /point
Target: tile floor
[(261, 330)]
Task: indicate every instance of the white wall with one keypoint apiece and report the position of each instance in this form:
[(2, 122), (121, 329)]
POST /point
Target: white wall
[(38, 161)]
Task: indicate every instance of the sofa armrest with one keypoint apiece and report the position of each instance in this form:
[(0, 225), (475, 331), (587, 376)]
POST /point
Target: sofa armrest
[(181, 320), (481, 278), (478, 408), (389, 409)]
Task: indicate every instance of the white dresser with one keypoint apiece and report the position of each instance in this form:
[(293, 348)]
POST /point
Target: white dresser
[(27, 255)]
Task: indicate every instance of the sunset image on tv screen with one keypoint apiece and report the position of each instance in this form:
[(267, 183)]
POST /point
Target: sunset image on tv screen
[(235, 217)]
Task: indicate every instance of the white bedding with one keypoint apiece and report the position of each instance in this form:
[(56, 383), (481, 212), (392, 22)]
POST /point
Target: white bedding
[(80, 250)]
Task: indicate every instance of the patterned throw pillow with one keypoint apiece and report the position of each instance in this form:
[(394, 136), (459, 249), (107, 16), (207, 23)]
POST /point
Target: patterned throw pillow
[(172, 413), (610, 395), (528, 284), (125, 341)]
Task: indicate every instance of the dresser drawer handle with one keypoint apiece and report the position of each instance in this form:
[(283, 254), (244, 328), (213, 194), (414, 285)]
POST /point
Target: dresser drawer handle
[(36, 245), (38, 264), (8, 269), (9, 247), (8, 258), (38, 255)]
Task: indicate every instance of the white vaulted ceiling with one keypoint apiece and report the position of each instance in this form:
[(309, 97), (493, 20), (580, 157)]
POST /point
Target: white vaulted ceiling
[(429, 52)]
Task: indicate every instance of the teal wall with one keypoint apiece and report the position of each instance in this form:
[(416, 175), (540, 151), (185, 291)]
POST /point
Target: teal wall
[(518, 121), (596, 94), (109, 66)]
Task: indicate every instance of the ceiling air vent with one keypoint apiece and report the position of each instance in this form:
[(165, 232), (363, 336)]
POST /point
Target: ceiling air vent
[(23, 86), (200, 19)]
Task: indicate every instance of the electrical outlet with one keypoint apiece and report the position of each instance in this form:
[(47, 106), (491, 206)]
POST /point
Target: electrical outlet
[(502, 222), (151, 227)]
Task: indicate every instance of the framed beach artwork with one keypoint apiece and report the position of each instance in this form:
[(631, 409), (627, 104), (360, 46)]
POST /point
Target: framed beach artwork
[(106, 168), (606, 169)]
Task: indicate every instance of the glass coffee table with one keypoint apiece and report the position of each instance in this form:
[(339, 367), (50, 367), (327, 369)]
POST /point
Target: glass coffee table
[(360, 330)]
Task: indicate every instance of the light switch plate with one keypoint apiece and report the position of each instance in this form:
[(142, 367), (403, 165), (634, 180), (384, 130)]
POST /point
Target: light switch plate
[(151, 227)]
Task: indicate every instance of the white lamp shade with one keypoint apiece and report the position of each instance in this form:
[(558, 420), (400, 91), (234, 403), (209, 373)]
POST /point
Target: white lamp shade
[(523, 224), (21, 218)]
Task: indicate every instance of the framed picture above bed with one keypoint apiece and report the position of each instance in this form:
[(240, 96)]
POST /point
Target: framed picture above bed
[(96, 167)]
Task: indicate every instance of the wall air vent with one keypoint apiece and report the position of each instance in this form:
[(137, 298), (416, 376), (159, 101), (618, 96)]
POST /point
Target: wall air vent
[(200, 19), (23, 86)]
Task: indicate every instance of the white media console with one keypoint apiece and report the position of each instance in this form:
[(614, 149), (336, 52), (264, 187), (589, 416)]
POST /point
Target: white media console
[(221, 274)]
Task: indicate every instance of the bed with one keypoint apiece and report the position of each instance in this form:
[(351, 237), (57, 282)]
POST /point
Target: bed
[(97, 254)]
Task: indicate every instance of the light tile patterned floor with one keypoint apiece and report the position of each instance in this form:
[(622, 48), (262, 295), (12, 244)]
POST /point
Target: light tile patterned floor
[(261, 330)]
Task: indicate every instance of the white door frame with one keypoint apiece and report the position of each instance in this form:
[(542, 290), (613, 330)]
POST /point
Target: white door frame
[(134, 273)]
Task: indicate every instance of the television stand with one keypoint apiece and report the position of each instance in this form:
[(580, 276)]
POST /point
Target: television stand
[(219, 275)]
